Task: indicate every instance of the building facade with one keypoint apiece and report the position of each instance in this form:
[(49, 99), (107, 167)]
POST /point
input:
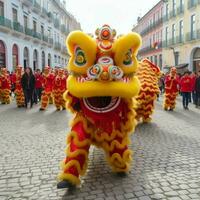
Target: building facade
[(33, 33), (150, 27), (181, 34)]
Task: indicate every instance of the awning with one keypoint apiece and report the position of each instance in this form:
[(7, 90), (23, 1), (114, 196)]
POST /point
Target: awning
[(181, 66)]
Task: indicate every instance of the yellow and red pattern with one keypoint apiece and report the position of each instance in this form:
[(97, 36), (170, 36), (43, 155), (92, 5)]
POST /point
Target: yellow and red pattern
[(148, 74), (47, 84), (100, 91), (5, 87), (18, 88), (171, 90), (58, 89)]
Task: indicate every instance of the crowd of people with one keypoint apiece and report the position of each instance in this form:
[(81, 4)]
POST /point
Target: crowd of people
[(48, 87), (187, 85), (31, 87)]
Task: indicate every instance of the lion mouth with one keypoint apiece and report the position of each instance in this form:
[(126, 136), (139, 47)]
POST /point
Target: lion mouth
[(101, 104)]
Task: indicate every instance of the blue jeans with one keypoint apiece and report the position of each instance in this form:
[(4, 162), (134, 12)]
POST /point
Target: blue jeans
[(186, 97)]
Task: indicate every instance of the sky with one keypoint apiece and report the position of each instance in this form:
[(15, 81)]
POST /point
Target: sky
[(119, 14)]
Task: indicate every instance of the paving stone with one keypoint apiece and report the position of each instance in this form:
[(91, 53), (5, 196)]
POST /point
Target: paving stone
[(166, 161)]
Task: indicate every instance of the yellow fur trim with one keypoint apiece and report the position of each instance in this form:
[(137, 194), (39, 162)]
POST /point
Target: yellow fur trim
[(73, 136), (69, 177), (89, 47), (121, 47)]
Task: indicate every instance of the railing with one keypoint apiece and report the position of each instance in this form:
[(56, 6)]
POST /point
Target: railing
[(180, 10), (5, 22), (57, 46), (150, 48), (18, 27), (36, 35), (152, 26), (28, 31), (44, 38), (36, 5), (192, 3), (56, 23), (44, 10), (180, 39), (50, 41), (172, 14), (191, 36)]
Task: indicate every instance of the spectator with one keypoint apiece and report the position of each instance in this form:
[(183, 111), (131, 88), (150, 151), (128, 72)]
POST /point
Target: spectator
[(185, 84), (38, 86), (193, 78), (197, 90), (28, 85)]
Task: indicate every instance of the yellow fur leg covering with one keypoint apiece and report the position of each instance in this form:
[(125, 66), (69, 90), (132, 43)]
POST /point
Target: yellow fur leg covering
[(6, 96), (19, 97), (72, 155), (170, 100)]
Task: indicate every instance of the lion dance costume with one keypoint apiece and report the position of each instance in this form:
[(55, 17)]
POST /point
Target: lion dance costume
[(19, 91), (59, 89), (171, 90), (99, 92), (148, 74), (5, 86), (48, 79)]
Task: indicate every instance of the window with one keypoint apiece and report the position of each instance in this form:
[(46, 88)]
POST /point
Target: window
[(160, 61), (1, 8), (151, 58), (42, 30), (173, 33), (49, 33), (167, 11), (55, 58), (181, 5), (174, 7), (166, 34), (34, 26), (181, 31), (25, 22), (193, 26), (155, 60), (14, 12)]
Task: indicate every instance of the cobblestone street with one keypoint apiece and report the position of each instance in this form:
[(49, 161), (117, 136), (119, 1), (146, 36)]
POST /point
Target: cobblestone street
[(166, 162)]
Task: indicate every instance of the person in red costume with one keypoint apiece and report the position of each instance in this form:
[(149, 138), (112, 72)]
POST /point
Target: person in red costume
[(185, 84), (59, 89), (171, 90), (5, 85), (48, 79), (18, 87)]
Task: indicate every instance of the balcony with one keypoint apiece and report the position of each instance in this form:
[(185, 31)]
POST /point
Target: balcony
[(57, 46), (36, 7), (56, 23), (180, 39), (192, 3), (44, 12), (5, 24), (36, 36), (172, 14), (18, 28), (27, 2), (193, 36), (149, 28), (44, 38), (150, 48), (180, 10), (28, 33)]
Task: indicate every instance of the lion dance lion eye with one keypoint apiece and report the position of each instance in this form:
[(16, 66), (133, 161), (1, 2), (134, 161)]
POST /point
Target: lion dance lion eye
[(128, 58), (80, 59)]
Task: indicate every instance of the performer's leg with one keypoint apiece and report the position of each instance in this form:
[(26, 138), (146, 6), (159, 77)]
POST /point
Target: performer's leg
[(57, 100), (44, 100), (118, 154), (75, 163)]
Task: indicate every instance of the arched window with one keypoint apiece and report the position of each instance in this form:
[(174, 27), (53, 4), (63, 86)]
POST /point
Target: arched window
[(49, 59), (196, 60), (15, 56), (26, 57), (43, 60), (2, 54), (35, 60)]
